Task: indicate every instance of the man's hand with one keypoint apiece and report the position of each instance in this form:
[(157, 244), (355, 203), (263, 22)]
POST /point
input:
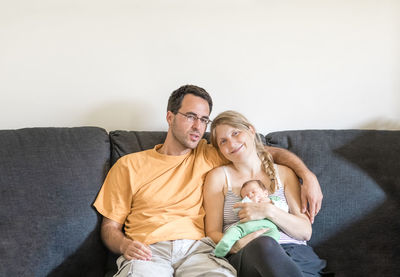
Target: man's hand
[(134, 250), (246, 239), (311, 196), (117, 242)]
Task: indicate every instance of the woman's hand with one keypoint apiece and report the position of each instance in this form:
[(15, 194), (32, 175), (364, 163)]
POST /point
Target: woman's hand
[(246, 239), (253, 211)]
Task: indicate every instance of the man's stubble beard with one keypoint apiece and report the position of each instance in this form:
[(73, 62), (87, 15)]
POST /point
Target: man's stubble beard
[(182, 138)]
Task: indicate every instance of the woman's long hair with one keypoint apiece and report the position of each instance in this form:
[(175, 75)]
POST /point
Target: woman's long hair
[(237, 120)]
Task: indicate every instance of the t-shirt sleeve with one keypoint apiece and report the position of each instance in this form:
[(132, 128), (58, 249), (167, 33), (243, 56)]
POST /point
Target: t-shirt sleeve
[(213, 156), (114, 200)]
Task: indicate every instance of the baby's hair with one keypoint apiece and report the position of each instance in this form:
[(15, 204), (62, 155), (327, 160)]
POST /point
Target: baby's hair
[(261, 184)]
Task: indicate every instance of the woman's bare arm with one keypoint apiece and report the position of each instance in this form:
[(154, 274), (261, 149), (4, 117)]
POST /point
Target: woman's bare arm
[(213, 203)]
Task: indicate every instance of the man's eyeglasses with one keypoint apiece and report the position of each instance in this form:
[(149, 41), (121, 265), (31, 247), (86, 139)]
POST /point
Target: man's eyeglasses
[(192, 118)]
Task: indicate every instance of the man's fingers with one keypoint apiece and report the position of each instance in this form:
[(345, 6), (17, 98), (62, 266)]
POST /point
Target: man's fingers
[(138, 254), (145, 249), (303, 202), (138, 251)]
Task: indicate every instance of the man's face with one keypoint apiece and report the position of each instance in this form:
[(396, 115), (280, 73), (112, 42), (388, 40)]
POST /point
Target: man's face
[(186, 133)]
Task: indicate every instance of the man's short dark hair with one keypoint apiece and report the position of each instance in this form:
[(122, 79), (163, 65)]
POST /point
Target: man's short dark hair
[(175, 100)]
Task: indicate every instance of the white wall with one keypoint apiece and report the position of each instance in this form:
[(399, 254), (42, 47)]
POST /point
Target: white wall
[(285, 64)]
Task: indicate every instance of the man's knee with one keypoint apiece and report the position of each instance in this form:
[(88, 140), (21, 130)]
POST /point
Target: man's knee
[(205, 264)]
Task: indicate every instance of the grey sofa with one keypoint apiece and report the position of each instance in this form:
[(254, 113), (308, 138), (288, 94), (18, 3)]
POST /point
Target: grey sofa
[(49, 177)]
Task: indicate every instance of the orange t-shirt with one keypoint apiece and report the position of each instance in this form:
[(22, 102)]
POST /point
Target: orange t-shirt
[(158, 197)]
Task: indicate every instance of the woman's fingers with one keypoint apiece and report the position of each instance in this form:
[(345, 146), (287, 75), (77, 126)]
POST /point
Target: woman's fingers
[(246, 239)]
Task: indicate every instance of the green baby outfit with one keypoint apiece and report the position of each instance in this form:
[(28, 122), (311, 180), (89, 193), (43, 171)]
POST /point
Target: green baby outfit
[(238, 231)]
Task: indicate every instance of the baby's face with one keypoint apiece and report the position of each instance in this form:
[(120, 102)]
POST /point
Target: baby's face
[(253, 191)]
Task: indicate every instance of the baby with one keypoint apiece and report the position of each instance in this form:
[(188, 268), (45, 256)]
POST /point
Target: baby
[(251, 191)]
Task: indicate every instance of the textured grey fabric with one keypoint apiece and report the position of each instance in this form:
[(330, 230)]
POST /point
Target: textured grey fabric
[(358, 228), (49, 178), (126, 142)]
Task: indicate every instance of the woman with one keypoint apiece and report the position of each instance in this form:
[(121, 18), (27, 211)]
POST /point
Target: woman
[(256, 255)]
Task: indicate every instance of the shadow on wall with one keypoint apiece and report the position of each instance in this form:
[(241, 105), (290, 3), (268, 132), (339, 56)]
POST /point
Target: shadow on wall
[(382, 124), (126, 115)]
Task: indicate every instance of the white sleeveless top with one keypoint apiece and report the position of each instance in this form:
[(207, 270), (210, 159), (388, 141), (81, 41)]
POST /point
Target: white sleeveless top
[(231, 218)]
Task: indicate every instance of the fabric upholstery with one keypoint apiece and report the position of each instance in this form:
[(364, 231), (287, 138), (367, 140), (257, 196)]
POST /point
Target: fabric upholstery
[(49, 178), (126, 142), (358, 228)]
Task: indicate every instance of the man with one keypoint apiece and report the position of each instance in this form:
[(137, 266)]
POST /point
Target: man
[(156, 195)]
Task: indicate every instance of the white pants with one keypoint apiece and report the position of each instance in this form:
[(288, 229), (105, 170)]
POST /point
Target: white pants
[(178, 258)]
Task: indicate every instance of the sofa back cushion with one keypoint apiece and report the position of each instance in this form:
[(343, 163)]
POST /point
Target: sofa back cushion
[(358, 227), (49, 177), (126, 142)]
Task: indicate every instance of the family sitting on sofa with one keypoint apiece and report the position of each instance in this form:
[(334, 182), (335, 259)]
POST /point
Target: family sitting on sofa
[(152, 201)]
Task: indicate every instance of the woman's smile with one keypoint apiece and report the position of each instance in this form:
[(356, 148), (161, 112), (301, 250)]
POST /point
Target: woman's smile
[(237, 149)]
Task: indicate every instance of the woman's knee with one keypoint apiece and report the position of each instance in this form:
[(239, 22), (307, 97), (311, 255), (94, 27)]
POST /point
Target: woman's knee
[(263, 245), (264, 242)]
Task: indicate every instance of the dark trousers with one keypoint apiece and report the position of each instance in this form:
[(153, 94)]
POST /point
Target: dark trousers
[(264, 257)]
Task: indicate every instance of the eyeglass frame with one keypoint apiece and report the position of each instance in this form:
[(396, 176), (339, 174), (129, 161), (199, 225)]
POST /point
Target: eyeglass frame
[(191, 117)]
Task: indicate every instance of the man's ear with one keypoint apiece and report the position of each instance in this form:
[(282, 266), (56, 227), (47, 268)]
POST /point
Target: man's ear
[(170, 117)]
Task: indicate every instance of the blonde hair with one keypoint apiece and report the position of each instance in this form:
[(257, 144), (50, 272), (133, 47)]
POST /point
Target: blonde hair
[(237, 120)]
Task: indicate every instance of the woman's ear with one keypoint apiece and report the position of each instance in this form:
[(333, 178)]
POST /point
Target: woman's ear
[(252, 129)]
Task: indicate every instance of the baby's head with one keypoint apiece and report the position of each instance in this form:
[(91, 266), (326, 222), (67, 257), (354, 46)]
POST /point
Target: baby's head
[(255, 190)]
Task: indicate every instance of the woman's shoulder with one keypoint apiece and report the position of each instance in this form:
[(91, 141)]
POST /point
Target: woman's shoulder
[(217, 172), (215, 179)]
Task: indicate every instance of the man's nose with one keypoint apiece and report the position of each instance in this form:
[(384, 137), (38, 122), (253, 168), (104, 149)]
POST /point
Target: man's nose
[(196, 124)]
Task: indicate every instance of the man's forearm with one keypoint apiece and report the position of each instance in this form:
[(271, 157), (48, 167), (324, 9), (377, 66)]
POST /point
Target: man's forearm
[(289, 159), (311, 194), (113, 237)]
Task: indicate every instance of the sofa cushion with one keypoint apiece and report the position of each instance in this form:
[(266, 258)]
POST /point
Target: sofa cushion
[(126, 142), (49, 177), (358, 228)]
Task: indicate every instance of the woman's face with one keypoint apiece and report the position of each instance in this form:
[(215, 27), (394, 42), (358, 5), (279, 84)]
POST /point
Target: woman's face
[(235, 144)]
